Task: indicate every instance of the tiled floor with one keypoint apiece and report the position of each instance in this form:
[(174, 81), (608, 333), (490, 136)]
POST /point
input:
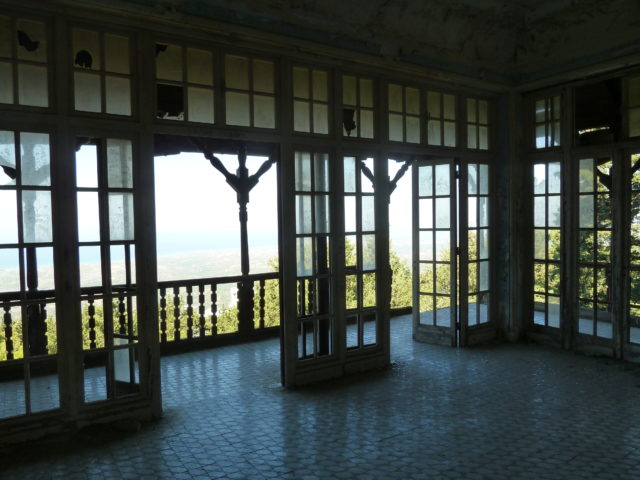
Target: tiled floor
[(509, 411)]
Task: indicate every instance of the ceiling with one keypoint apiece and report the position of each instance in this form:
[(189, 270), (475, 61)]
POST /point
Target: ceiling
[(501, 37)]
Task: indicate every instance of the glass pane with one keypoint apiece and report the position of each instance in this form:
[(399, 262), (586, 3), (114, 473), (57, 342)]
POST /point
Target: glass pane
[(36, 216), (322, 213), (554, 211), (484, 179), (539, 178), (484, 276), (349, 174), (304, 256), (120, 163), (303, 171), (443, 279), (449, 102), (433, 132), (9, 271), (539, 212), (443, 213), (121, 216), (586, 211), (540, 110), (87, 92), (484, 138), (90, 267), (366, 124), (264, 112), (634, 91), (412, 101), (320, 86), (449, 134), (116, 54), (170, 100), (6, 83), (368, 252), (86, 49), (425, 207), (634, 122), (366, 92), (199, 66), (118, 95), (586, 175), (169, 62), (32, 86), (442, 179), (200, 105), (472, 179), (412, 129), (366, 184), (472, 212), (483, 112), (8, 171), (426, 246), (300, 82), (425, 181), (263, 76), (303, 214), (472, 141), (483, 212), (301, 120), (540, 243), (320, 118), (554, 177), (8, 217), (321, 163), (349, 90), (471, 110), (483, 244), (396, 132), (32, 40), (541, 136), (236, 72), (350, 214), (237, 108), (433, 105), (395, 98), (35, 159), (368, 213), (88, 217)]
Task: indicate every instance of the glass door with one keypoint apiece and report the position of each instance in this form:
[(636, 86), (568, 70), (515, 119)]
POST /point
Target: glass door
[(434, 252)]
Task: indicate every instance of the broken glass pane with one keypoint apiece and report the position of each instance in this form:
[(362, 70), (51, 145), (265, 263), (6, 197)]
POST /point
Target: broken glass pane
[(199, 66), (116, 54), (200, 101), (236, 72), (6, 83), (36, 216), (32, 86), (7, 158), (35, 159), (118, 96), (170, 102), (86, 49), (87, 167), (264, 114), (87, 92), (6, 49), (9, 270), (121, 216), (169, 62), (32, 40), (350, 214), (120, 163)]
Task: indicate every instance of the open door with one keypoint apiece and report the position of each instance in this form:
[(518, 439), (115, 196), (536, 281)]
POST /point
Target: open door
[(451, 253), (434, 252)]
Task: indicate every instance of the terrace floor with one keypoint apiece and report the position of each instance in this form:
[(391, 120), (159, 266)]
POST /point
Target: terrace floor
[(508, 411)]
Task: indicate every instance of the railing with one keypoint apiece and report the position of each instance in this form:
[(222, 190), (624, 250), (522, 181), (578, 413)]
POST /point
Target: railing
[(194, 312)]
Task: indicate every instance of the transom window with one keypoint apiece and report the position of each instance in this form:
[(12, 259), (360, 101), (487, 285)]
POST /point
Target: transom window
[(23, 62), (101, 72), (547, 122), (310, 100), (477, 124), (441, 119), (404, 113), (357, 106), (250, 92), (185, 83)]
